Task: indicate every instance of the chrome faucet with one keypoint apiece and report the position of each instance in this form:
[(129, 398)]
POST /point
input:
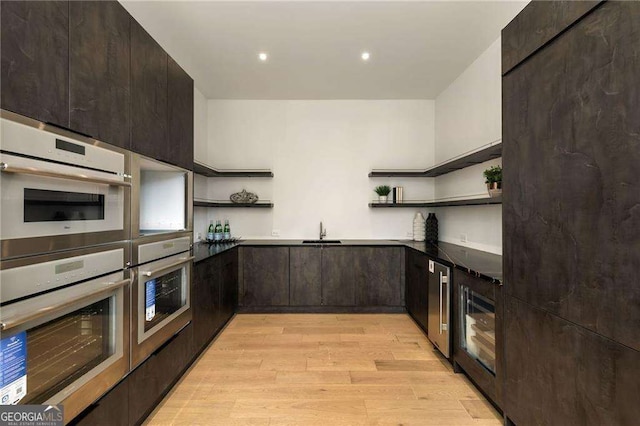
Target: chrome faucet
[(323, 233)]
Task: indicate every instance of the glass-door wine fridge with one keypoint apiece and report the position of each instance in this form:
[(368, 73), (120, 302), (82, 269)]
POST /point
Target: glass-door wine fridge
[(478, 328)]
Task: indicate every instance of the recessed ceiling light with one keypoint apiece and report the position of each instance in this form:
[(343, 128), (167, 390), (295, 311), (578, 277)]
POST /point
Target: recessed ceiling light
[(263, 56), (365, 56)]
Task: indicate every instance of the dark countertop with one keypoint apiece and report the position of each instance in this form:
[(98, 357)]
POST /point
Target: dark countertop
[(475, 262), (202, 251)]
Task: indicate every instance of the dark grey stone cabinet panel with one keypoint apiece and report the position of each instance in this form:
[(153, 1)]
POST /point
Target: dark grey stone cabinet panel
[(205, 300), (266, 276), (571, 186), (559, 373), (99, 70), (338, 276), (149, 101), (110, 410), (417, 287), (305, 276), (180, 119), (35, 59), (229, 289), (152, 379), (536, 25), (379, 276)]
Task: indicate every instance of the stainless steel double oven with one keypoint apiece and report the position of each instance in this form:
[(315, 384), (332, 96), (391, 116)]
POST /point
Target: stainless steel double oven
[(95, 266), (64, 282)]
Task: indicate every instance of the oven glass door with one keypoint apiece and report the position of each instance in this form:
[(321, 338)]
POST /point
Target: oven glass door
[(163, 293), (45, 358), (85, 201)]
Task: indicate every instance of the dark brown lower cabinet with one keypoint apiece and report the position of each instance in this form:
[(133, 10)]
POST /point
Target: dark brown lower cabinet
[(417, 287), (110, 410), (266, 276), (215, 296), (205, 300), (348, 278), (228, 286), (478, 342), (338, 277), (305, 277), (559, 373), (379, 276)]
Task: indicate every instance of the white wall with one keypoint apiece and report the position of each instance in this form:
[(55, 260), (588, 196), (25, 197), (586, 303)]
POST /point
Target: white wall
[(320, 153), (469, 115)]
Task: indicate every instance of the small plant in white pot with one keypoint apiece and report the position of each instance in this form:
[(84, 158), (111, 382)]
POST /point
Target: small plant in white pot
[(493, 179), (383, 193)]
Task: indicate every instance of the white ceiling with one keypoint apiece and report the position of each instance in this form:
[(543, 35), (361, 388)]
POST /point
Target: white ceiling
[(417, 48)]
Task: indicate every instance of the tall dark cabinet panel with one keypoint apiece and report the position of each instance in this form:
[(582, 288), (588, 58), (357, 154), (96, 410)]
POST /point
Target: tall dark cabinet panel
[(305, 276), (559, 373), (535, 26), (338, 276), (266, 276), (571, 220), (99, 70), (205, 300), (149, 100), (379, 276), (180, 118), (229, 282), (417, 287), (35, 59)]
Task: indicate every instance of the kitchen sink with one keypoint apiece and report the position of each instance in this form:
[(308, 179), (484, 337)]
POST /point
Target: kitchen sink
[(321, 242)]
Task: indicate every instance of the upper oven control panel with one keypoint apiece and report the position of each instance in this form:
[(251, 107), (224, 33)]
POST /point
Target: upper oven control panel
[(26, 140), (160, 249)]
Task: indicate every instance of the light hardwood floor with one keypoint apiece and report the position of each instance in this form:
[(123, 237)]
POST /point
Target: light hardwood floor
[(324, 369)]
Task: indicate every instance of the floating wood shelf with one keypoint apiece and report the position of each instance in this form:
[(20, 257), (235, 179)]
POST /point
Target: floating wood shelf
[(449, 203), (208, 171), (493, 150), (225, 204)]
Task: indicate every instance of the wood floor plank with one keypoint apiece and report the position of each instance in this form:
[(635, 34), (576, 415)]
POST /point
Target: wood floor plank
[(314, 409), (406, 409), (314, 377), (321, 369), (409, 365), (479, 409), (394, 377), (323, 330)]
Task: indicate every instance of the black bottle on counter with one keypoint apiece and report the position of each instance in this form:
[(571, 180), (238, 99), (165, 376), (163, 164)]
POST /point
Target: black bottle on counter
[(431, 228)]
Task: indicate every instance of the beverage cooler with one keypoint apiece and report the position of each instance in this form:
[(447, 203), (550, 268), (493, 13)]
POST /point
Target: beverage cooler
[(478, 328)]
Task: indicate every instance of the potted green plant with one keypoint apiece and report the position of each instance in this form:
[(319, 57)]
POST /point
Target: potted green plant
[(493, 179), (383, 192)]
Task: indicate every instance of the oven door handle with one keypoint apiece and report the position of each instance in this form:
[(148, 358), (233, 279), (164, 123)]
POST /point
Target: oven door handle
[(164, 268), (19, 320), (6, 168)]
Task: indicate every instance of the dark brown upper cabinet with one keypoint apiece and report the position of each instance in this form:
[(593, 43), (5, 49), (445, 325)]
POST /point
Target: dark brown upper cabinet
[(572, 249), (35, 59), (180, 120), (99, 70), (538, 25), (148, 94)]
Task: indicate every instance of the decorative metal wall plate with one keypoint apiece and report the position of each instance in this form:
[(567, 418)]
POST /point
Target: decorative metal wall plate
[(244, 197)]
